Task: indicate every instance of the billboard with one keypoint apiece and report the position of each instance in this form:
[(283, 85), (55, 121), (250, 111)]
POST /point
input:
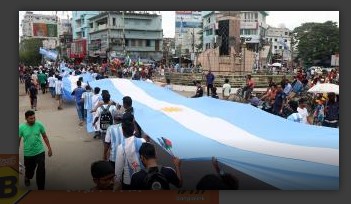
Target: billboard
[(187, 19), (44, 30)]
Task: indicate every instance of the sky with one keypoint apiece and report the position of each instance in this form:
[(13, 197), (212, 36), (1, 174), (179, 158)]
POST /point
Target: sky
[(290, 19)]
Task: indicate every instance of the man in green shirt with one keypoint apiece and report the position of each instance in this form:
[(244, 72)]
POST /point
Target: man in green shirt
[(33, 149), (42, 78)]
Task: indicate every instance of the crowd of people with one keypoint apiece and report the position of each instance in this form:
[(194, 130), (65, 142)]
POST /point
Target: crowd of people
[(291, 99), (129, 160), (288, 99)]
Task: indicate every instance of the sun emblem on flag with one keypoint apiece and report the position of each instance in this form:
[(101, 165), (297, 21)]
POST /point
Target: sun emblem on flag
[(171, 109)]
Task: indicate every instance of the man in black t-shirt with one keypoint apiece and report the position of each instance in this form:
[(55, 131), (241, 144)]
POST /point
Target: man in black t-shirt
[(147, 179), (199, 90), (33, 93)]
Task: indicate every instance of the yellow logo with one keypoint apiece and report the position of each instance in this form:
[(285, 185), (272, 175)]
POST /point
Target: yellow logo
[(9, 191), (171, 109)]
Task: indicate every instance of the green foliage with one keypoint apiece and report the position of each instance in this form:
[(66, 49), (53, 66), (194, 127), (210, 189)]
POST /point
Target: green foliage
[(201, 39), (29, 51), (316, 42)]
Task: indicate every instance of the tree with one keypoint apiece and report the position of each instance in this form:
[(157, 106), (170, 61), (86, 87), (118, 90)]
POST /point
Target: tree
[(29, 51), (201, 38), (316, 42)]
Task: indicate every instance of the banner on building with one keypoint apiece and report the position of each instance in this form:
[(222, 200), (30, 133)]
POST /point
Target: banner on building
[(44, 30), (334, 60)]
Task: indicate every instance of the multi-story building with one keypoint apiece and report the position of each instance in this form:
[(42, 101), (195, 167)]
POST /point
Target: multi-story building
[(280, 40), (65, 26), (253, 29), (80, 34), (210, 25), (40, 26), (119, 33), (80, 23), (253, 26), (187, 31), (242, 31)]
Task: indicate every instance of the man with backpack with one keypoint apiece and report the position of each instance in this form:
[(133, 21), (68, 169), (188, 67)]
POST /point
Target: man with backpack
[(105, 113), (154, 176)]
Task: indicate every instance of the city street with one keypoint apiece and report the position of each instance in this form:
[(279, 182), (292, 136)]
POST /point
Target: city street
[(74, 150)]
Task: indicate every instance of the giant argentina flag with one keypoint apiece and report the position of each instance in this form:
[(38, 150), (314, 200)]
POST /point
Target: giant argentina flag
[(282, 153), (70, 83)]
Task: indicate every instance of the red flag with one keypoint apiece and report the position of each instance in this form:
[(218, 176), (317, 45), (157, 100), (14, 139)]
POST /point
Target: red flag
[(167, 142)]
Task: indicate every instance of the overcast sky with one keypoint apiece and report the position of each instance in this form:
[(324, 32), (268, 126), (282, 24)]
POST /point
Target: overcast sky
[(290, 19)]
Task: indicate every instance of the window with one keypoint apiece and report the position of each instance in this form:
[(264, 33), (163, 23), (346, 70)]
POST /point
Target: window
[(271, 39), (285, 40), (280, 47), (275, 47), (157, 45), (114, 21), (132, 43), (209, 32), (275, 39), (83, 34), (249, 32), (208, 20), (286, 33), (127, 42), (148, 43)]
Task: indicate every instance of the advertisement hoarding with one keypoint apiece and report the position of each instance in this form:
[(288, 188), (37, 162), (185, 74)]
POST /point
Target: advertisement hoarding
[(44, 30)]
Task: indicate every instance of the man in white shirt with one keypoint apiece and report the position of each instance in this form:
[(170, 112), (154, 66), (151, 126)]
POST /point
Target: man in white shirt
[(226, 89), (95, 101), (52, 80), (302, 110), (59, 91), (128, 158), (113, 138), (295, 116)]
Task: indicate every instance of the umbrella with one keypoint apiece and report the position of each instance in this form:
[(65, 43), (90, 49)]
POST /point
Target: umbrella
[(324, 88)]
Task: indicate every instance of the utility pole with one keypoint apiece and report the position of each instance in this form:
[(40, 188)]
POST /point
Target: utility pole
[(124, 36), (181, 42), (244, 46), (193, 44), (108, 36)]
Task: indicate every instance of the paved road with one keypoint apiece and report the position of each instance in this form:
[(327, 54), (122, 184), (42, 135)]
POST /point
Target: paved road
[(74, 150)]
